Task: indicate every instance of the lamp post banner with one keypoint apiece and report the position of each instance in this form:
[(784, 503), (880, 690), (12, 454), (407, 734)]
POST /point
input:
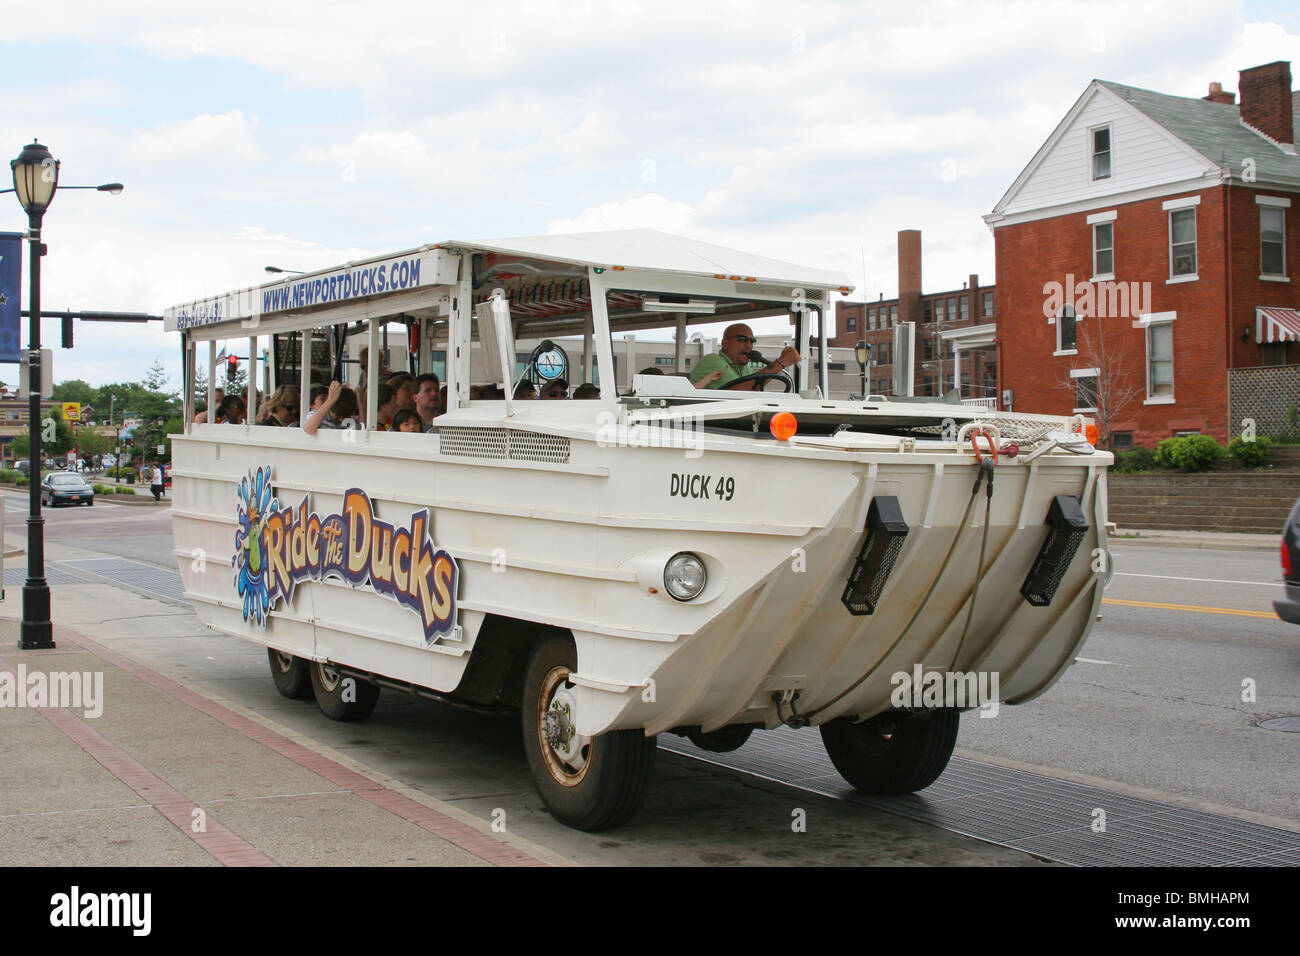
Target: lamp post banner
[(11, 286)]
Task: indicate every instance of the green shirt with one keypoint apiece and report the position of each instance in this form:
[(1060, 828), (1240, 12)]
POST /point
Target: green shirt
[(712, 363)]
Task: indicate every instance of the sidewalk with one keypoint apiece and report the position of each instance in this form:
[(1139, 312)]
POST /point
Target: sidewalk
[(153, 770), (1215, 540)]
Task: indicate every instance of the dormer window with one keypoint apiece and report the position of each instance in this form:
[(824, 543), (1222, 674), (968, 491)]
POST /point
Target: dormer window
[(1101, 153)]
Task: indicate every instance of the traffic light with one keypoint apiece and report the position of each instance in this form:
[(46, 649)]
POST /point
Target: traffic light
[(232, 365), (67, 331)]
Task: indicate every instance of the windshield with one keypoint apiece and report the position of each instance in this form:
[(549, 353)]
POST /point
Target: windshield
[(66, 480)]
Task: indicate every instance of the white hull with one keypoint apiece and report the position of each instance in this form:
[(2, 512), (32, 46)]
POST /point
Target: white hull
[(578, 544)]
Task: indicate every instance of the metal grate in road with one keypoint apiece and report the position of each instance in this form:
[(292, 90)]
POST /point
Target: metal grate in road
[(147, 579), (16, 577), (1040, 815)]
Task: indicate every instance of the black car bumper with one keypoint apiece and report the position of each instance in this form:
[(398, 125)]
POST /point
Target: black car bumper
[(1288, 608)]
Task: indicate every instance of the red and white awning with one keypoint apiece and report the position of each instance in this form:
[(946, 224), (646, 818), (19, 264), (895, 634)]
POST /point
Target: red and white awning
[(1277, 325)]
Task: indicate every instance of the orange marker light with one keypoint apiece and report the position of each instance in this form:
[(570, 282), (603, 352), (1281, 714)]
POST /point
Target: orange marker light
[(783, 426), (1092, 435)]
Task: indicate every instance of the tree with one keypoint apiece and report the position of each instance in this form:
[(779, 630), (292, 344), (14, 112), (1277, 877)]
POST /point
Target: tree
[(156, 379), (91, 442), (56, 438), (75, 390), (1115, 387)]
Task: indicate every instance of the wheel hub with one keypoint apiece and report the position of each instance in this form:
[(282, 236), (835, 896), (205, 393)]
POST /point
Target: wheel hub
[(566, 752), (558, 726)]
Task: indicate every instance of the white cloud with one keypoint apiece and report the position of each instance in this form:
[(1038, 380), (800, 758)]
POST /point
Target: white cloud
[(651, 211), (230, 137)]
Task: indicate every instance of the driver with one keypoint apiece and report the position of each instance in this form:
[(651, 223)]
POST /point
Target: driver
[(732, 361)]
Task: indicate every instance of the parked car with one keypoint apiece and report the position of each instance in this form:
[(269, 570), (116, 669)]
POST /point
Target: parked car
[(24, 466), (66, 487), (1288, 608), (107, 461)]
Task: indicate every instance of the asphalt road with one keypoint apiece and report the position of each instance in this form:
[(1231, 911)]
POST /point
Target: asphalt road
[(1156, 697), (1155, 703)]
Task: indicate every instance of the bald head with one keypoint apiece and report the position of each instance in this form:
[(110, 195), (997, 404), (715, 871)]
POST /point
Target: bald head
[(737, 341)]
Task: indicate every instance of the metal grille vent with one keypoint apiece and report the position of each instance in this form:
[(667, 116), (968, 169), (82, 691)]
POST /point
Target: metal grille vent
[(503, 444)]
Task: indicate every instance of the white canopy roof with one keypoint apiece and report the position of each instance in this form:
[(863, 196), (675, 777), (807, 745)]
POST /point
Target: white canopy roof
[(651, 249)]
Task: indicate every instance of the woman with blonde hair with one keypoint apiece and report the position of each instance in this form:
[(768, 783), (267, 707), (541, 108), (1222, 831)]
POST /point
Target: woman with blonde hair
[(281, 409)]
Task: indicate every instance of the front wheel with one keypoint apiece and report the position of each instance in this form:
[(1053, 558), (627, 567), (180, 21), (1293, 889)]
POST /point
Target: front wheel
[(588, 783), (892, 752), (339, 697)]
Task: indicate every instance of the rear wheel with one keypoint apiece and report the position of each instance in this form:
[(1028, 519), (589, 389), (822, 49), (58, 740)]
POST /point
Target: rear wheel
[(292, 675), (892, 752), (588, 783), (342, 697)]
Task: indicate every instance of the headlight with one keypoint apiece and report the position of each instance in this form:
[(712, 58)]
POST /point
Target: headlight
[(684, 576)]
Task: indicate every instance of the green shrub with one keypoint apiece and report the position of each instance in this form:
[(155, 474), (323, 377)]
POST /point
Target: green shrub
[(1135, 461), (10, 475), (1251, 454), (1196, 453), (101, 489), (20, 480), (1165, 453), (122, 490)]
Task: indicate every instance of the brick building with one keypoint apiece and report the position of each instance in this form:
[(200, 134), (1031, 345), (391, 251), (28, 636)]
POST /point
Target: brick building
[(954, 331), (1146, 258)]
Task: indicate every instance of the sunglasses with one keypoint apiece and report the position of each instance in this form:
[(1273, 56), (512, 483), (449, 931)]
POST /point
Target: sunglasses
[(741, 338)]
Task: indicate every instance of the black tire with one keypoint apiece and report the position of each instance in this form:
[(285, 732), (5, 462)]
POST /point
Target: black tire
[(292, 675), (893, 752), (723, 740), (610, 785), (333, 689)]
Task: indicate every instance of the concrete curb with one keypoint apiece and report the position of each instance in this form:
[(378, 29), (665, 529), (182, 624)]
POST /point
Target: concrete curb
[(1267, 543)]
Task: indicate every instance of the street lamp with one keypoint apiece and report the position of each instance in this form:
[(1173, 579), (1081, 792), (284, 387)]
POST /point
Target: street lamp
[(36, 179), (276, 270), (863, 352)]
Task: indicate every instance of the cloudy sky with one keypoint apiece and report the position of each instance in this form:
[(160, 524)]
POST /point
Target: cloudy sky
[(306, 134)]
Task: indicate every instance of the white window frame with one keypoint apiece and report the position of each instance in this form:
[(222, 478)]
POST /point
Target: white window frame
[(1093, 153), (1092, 373), (1281, 204), (1149, 322), (1170, 207), (1097, 220)]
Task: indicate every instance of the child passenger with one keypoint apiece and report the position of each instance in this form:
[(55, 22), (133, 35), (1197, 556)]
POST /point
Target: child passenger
[(407, 420)]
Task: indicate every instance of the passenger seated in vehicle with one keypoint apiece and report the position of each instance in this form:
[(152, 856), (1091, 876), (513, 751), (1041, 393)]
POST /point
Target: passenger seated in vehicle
[(586, 390), (426, 388), (556, 388), (407, 420), (339, 410), (526, 391), (203, 415), (281, 408), (231, 411), (387, 408)]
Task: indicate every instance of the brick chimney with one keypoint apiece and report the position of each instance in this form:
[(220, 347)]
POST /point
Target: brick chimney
[(1266, 100), (1218, 96), (909, 275)]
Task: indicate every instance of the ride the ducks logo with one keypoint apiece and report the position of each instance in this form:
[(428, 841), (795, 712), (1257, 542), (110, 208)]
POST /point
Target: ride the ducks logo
[(276, 547)]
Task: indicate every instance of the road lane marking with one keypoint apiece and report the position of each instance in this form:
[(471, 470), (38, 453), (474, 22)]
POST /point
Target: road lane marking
[(1089, 660), (1172, 577), (1191, 607)]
